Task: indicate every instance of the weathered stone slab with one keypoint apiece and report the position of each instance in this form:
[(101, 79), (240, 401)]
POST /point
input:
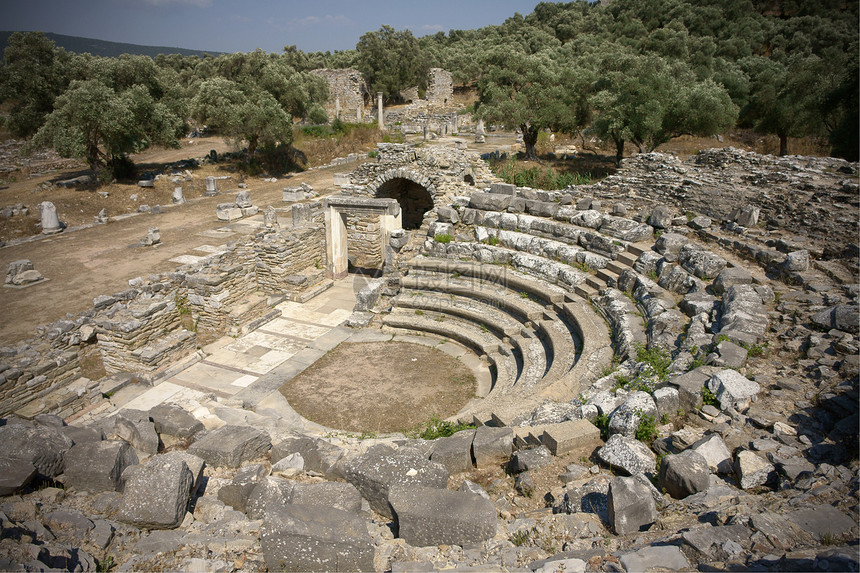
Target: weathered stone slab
[(631, 507), (489, 201), (492, 445), (15, 474), (172, 420), (230, 446), (236, 494), (430, 516), (454, 452), (662, 557), (752, 470), (97, 466), (732, 389), (312, 538), (43, 447), (339, 495), (683, 474), (271, 491), (375, 472), (567, 436), (628, 455), (824, 521), (156, 496)]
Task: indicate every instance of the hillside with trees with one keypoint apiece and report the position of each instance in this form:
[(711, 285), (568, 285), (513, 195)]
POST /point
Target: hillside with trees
[(632, 73)]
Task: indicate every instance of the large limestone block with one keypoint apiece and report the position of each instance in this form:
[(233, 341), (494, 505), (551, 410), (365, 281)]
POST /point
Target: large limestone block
[(156, 496), (172, 420), (732, 389), (230, 446), (375, 472), (270, 494), (492, 445), (314, 538), (567, 436), (627, 455), (319, 455), (752, 470), (454, 452), (335, 494), (430, 516), (490, 201), (97, 466), (683, 474), (631, 507), (15, 474), (45, 448), (715, 452)]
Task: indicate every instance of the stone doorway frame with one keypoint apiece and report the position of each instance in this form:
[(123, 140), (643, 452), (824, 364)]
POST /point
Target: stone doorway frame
[(336, 210)]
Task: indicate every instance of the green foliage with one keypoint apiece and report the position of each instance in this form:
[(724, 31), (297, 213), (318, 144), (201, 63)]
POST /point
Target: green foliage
[(93, 121), (436, 428), (106, 564), (442, 238), (602, 423), (656, 358), (520, 538), (391, 60), (511, 171), (756, 350), (708, 398), (646, 431)]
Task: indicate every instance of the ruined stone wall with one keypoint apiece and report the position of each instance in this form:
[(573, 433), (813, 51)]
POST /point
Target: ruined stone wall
[(157, 321), (364, 240), (444, 171), (348, 87), (291, 260), (440, 88)]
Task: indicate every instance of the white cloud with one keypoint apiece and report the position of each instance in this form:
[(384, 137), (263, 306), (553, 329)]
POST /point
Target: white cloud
[(327, 20), (432, 28)]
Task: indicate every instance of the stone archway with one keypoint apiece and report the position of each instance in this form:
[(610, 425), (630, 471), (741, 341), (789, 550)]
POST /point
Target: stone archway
[(414, 199)]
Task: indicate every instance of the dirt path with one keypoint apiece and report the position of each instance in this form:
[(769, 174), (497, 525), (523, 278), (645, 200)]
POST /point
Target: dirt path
[(100, 260)]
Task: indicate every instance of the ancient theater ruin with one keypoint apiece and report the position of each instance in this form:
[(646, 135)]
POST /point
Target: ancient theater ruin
[(686, 323)]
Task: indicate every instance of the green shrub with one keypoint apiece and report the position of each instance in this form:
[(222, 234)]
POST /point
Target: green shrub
[(443, 238), (708, 398), (436, 428), (602, 423), (646, 431), (657, 358)]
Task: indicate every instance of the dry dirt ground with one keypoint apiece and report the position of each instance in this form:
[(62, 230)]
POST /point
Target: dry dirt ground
[(83, 264), (377, 387)]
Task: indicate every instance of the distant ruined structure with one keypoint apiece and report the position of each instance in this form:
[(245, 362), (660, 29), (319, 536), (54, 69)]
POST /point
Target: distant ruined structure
[(347, 93)]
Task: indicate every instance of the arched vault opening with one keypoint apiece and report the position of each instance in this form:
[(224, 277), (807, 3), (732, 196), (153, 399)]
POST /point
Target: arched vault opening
[(414, 199)]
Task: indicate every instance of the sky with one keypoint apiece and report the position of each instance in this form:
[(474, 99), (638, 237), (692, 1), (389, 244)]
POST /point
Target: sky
[(246, 25)]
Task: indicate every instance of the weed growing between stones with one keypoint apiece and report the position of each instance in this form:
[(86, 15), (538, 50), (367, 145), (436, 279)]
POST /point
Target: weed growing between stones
[(437, 428)]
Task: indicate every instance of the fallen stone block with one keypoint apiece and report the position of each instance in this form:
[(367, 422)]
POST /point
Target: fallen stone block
[(236, 494), (430, 516), (375, 472), (156, 496), (627, 455), (567, 436), (15, 474), (454, 452), (631, 507), (313, 538), (339, 495), (172, 420), (683, 474), (752, 470), (492, 446), (44, 448), (655, 557), (97, 466), (231, 446)]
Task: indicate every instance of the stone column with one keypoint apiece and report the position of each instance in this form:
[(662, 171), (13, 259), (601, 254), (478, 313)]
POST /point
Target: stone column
[(454, 123), (379, 110), (480, 133), (336, 107), (178, 197), (211, 187), (335, 243), (50, 221), (358, 113)]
